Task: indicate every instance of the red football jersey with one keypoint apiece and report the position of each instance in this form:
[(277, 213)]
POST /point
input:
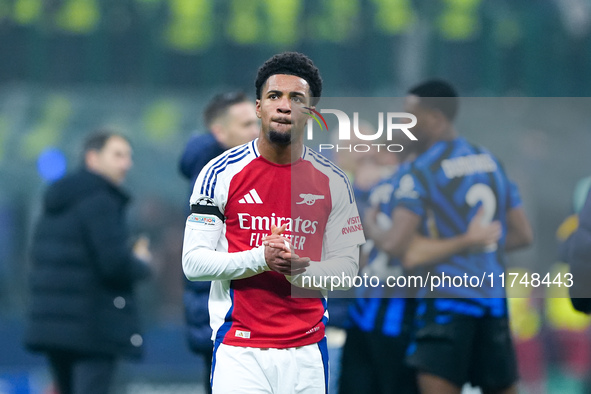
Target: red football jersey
[(313, 198)]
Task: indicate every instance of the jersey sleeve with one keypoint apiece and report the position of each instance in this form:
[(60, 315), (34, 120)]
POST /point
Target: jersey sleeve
[(344, 224), (204, 255), (411, 193), (513, 196), (341, 240), (205, 189), (201, 260), (381, 195)]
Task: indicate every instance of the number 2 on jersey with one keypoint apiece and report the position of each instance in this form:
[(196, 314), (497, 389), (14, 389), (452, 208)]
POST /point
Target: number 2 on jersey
[(480, 192)]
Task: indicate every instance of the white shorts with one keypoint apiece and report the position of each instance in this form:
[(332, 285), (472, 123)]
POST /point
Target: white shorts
[(274, 371)]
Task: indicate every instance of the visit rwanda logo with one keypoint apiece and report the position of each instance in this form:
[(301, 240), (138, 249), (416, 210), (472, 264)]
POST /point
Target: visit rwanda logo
[(315, 115)]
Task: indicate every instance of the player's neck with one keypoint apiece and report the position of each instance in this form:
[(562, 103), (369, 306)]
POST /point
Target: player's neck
[(280, 154), (449, 134)]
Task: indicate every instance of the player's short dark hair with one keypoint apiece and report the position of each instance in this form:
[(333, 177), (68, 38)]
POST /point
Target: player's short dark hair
[(220, 103), (291, 63), (437, 94)]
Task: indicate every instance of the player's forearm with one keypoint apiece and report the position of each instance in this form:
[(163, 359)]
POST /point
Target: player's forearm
[(392, 243), (517, 241), (205, 264), (201, 260), (398, 238), (384, 239), (424, 251), (519, 231)]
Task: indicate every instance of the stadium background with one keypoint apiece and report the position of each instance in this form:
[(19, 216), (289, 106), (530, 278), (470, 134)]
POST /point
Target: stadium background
[(148, 67)]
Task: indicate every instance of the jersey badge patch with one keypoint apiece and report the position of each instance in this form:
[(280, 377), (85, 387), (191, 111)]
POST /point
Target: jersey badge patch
[(309, 199), (201, 219), (242, 334)]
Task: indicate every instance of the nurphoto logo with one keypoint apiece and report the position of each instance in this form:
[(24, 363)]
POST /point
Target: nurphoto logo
[(393, 122)]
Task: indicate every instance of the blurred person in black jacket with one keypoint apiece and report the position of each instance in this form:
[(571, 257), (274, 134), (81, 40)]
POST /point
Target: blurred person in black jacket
[(83, 312), (231, 121), (577, 252)]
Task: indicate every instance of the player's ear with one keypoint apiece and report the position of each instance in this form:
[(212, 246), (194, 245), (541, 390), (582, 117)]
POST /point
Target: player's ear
[(91, 159), (218, 132), (258, 108), (439, 119)]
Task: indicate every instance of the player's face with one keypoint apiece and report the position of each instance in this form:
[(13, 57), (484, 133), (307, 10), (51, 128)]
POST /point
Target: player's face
[(240, 125), (280, 107), (113, 161)]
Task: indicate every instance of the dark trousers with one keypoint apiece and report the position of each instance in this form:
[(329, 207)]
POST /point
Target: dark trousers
[(373, 363), (82, 374)]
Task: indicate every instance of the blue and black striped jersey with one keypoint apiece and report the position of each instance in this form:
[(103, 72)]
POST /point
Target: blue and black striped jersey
[(445, 186), (383, 309)]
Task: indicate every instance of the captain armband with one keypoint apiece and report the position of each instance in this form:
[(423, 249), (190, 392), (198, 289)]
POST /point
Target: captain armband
[(205, 217)]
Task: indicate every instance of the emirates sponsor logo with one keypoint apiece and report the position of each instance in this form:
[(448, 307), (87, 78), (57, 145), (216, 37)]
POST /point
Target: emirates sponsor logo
[(264, 223)]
